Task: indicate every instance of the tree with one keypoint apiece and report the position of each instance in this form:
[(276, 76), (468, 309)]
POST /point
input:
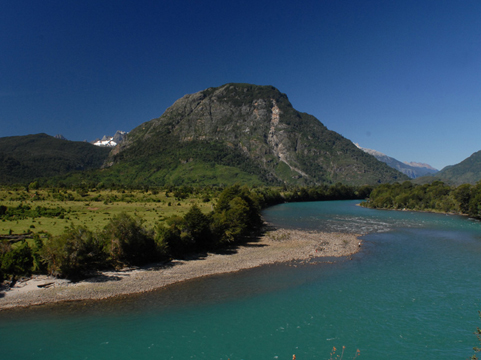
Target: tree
[(236, 214), (168, 240), (237, 218), (74, 253), (196, 226), (462, 194), (17, 260), (475, 201), (38, 265), (127, 242)]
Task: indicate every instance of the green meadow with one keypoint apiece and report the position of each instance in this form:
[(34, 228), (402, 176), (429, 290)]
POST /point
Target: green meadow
[(93, 208)]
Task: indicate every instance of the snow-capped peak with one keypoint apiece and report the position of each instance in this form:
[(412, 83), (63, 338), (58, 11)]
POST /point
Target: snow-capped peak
[(111, 141)]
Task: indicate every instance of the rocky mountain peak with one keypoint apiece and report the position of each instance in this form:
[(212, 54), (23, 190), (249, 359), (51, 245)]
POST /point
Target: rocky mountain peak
[(257, 124)]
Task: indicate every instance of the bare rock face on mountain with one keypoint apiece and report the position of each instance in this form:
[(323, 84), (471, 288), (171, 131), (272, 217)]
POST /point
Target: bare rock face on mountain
[(119, 136), (247, 130)]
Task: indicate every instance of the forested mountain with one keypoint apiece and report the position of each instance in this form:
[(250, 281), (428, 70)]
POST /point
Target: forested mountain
[(26, 158), (413, 170), (241, 133), (467, 171)]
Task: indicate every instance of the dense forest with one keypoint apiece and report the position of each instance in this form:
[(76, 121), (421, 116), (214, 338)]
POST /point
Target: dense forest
[(437, 196)]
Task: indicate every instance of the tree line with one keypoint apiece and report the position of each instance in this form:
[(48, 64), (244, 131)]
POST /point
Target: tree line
[(437, 196)]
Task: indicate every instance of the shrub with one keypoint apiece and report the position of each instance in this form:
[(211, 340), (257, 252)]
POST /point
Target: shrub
[(16, 260)]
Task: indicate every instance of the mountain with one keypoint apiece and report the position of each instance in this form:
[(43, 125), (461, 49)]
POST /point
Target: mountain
[(241, 133), (467, 171), (26, 158), (412, 169), (420, 165), (110, 141)]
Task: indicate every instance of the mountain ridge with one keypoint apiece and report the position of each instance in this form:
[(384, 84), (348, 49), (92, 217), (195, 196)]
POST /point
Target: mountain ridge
[(26, 158), (421, 165), (467, 171), (257, 126)]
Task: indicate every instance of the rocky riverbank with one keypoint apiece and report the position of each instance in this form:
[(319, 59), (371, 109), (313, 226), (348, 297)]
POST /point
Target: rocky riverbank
[(279, 245)]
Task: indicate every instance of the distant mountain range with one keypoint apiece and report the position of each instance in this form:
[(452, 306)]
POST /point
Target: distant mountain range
[(235, 133), (412, 169), (420, 165)]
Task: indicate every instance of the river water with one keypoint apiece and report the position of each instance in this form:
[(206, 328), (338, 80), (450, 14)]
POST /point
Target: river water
[(412, 292)]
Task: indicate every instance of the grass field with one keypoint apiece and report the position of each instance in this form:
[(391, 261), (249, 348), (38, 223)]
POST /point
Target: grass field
[(94, 209)]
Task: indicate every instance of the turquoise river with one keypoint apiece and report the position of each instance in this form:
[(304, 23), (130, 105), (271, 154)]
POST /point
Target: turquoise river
[(412, 292)]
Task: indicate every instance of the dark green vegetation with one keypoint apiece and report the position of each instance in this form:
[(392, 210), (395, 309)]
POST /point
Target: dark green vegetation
[(92, 241), (26, 158), (467, 171), (437, 196), (240, 133)]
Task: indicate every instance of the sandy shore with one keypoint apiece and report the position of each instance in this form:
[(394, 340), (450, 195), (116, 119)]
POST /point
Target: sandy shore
[(280, 245)]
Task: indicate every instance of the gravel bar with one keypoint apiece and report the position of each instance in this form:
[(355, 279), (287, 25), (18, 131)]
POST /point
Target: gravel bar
[(280, 245)]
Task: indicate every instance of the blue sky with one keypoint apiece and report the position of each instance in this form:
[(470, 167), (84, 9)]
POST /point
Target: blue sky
[(401, 77)]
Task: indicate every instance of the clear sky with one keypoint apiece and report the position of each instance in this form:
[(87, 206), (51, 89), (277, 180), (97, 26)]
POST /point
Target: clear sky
[(401, 77)]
